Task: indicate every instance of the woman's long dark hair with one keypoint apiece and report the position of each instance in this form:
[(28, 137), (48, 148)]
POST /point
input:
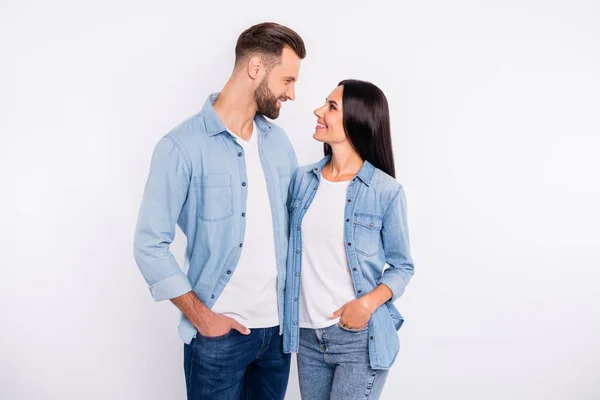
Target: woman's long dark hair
[(367, 124)]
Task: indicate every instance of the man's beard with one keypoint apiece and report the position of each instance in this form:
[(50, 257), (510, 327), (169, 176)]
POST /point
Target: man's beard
[(265, 101)]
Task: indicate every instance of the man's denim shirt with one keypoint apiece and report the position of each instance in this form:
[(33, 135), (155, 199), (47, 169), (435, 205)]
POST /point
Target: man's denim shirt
[(198, 181), (377, 247)]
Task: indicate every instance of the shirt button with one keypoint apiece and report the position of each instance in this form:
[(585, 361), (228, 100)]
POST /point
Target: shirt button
[(243, 183), (297, 251), (360, 291), (297, 228), (295, 299), (370, 224), (297, 274), (315, 188), (306, 207), (240, 154), (349, 200), (316, 169), (228, 272), (354, 269), (241, 244), (354, 180), (349, 244), (348, 220), (372, 337), (243, 214), (212, 296), (295, 323)]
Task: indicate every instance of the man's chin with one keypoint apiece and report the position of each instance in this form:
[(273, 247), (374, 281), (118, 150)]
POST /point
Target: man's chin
[(272, 115)]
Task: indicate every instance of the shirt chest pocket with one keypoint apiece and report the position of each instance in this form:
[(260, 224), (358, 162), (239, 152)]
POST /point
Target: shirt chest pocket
[(214, 197), (367, 234)]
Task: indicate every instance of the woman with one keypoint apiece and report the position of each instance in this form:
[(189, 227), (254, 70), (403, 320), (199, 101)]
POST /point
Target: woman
[(347, 221)]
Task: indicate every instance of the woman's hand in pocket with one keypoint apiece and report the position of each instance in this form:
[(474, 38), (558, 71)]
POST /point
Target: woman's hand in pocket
[(354, 315)]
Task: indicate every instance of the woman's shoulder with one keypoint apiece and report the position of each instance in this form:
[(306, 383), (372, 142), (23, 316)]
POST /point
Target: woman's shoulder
[(303, 170), (387, 187), (300, 175), (383, 181)]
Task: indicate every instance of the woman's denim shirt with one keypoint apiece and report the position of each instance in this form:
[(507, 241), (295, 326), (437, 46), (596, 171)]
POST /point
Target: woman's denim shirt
[(377, 247)]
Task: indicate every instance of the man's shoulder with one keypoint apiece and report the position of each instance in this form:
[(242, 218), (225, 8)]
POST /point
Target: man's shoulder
[(191, 129)]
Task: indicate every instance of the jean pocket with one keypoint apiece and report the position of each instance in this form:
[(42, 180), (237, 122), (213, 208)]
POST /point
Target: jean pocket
[(364, 328), (367, 234), (213, 338), (214, 197)]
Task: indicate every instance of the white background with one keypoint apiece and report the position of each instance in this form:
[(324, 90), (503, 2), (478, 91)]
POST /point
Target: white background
[(495, 116)]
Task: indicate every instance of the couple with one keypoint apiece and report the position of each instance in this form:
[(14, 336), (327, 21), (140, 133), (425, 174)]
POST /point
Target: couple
[(279, 258)]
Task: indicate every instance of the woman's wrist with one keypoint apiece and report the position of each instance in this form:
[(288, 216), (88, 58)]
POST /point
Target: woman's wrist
[(376, 297)]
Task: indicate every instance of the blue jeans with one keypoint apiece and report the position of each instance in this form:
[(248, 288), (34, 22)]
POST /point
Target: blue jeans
[(333, 363), (235, 366)]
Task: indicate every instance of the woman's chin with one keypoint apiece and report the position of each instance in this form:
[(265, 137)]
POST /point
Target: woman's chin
[(317, 136)]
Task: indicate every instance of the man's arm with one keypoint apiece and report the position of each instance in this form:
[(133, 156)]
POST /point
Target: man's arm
[(207, 322), (166, 192)]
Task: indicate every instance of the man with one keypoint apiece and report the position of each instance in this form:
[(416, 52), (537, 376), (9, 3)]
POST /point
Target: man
[(223, 176)]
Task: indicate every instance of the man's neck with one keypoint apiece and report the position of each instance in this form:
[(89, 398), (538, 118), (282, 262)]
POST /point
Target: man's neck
[(236, 109)]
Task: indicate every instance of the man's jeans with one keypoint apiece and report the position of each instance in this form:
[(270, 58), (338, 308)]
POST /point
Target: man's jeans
[(333, 363), (236, 366)]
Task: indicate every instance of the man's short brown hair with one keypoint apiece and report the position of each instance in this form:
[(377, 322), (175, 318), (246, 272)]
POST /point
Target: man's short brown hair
[(268, 40)]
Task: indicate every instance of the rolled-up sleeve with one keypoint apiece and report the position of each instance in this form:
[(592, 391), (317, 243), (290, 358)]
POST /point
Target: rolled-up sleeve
[(165, 193), (396, 246)]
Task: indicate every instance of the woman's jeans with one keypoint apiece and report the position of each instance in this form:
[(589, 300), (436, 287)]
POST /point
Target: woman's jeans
[(333, 363)]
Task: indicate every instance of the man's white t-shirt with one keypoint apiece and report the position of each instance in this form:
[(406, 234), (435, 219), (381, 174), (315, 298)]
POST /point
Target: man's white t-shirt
[(250, 296)]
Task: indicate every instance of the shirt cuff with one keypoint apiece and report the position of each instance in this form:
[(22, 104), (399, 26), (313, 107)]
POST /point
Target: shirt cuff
[(395, 284), (171, 287)]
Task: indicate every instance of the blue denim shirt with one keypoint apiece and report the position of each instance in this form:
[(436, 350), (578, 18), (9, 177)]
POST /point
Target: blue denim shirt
[(198, 181), (377, 247)]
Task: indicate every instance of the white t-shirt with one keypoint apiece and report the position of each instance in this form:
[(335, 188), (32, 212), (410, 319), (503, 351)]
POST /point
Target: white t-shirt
[(250, 296), (326, 283)]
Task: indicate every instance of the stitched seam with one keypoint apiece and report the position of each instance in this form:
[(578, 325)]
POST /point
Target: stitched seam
[(370, 385), (181, 153), (198, 186), (191, 364), (211, 338), (364, 253), (389, 207)]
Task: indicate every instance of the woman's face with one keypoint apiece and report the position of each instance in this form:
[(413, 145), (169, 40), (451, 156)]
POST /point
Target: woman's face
[(330, 125)]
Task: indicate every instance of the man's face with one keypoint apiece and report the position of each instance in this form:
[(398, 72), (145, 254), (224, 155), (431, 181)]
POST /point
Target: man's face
[(278, 85)]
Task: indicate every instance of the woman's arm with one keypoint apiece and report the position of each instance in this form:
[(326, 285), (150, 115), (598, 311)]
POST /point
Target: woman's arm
[(356, 313)]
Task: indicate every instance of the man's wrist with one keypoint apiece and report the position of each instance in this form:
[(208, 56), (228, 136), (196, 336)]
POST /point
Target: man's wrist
[(205, 317)]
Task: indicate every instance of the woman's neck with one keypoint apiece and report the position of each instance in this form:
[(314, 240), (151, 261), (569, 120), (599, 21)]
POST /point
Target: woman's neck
[(343, 166)]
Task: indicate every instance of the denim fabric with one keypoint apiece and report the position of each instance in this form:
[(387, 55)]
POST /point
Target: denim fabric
[(333, 363), (235, 366), (198, 181), (377, 247)]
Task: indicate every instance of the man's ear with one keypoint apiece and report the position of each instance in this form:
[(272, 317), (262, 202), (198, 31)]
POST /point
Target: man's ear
[(255, 67)]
